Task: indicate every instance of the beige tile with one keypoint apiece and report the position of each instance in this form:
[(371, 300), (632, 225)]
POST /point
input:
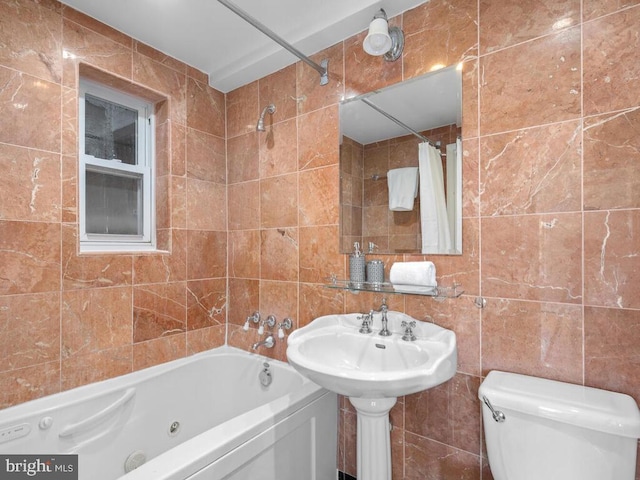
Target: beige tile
[(279, 201), (536, 170), (612, 161), (30, 257), (532, 338), (439, 33), (611, 262), (506, 23), (612, 350), (31, 330), (206, 205), (163, 267), (278, 154), (205, 339), (244, 299), (32, 39), (96, 319), (31, 184), (279, 88), (243, 157), (81, 370), (159, 310), (31, 111), (244, 254), (29, 383), (310, 94), (534, 83), (318, 193), (205, 108), (206, 157), (319, 256), (159, 350), (457, 397), (206, 303), (426, 459), (243, 110), (318, 138), (279, 249), (206, 254), (87, 46), (244, 205), (91, 270), (611, 75), (597, 8), (532, 257)]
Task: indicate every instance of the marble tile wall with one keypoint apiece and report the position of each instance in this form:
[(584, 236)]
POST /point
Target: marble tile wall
[(550, 233), (551, 139), (68, 319)]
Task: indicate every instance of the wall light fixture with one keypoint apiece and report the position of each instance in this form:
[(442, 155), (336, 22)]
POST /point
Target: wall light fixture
[(382, 40)]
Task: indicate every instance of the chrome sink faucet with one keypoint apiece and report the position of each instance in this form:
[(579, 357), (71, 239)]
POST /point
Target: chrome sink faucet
[(384, 331)]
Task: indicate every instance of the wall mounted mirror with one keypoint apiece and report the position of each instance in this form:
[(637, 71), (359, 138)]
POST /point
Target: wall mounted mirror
[(382, 131)]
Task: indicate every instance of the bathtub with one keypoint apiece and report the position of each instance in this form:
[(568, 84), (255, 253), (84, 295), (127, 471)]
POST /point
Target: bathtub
[(203, 417)]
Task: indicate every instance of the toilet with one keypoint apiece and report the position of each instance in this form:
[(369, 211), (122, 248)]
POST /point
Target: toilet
[(537, 429)]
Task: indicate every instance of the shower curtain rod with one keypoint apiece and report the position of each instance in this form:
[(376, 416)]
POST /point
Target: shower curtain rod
[(403, 125), (321, 69)]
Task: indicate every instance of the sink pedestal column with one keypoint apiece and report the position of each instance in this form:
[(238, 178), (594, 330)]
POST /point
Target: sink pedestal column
[(374, 440)]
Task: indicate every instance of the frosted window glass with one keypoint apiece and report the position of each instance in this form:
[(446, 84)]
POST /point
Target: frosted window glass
[(113, 204)]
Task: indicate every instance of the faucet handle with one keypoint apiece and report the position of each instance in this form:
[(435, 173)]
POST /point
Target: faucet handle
[(254, 317), (270, 321), (284, 324), (408, 336), (367, 320)]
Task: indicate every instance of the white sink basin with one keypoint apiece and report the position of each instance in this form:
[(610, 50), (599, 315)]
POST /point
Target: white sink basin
[(335, 355)]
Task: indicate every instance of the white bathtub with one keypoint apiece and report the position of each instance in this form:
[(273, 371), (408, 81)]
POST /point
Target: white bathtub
[(230, 426)]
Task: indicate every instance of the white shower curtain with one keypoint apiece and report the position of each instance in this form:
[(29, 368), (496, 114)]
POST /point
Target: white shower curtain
[(436, 234)]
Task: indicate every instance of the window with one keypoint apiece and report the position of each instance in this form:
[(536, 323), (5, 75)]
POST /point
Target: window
[(116, 173)]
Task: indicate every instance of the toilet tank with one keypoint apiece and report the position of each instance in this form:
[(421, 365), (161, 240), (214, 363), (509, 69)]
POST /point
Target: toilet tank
[(558, 431)]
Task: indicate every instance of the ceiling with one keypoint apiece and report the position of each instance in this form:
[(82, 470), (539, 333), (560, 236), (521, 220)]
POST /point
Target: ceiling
[(208, 36)]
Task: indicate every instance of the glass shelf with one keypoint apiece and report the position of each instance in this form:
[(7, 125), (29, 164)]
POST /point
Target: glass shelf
[(438, 292)]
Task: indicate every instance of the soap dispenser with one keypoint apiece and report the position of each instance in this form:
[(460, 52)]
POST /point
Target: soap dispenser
[(357, 264)]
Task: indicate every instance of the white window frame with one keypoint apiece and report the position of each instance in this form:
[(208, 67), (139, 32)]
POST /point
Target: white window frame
[(145, 168)]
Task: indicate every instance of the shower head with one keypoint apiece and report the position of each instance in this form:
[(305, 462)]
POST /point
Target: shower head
[(271, 108)]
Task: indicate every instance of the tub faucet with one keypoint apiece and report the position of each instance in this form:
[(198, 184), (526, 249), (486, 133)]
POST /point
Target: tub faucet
[(384, 331), (268, 342)]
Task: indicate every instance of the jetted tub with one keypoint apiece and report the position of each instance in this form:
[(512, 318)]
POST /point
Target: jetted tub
[(206, 416)]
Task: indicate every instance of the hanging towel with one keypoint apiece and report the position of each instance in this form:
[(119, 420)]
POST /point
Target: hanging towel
[(436, 233), (403, 188), (422, 274)]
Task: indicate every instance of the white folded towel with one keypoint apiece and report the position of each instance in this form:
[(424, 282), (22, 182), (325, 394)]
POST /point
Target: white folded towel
[(403, 188), (413, 273)]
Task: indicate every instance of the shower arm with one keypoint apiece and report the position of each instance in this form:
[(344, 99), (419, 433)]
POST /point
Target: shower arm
[(321, 69)]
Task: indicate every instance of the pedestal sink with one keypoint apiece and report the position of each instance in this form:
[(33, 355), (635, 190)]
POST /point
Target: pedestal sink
[(373, 371)]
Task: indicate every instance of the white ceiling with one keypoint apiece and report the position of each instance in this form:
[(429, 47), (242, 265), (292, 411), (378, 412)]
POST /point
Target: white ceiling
[(208, 36)]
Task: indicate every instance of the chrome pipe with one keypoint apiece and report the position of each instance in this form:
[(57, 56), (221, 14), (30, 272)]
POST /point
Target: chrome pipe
[(321, 69)]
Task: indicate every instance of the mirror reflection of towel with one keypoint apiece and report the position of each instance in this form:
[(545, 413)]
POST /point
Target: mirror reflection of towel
[(403, 188)]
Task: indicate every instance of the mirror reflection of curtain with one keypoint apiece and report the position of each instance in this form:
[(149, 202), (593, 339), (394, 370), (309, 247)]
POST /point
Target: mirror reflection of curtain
[(436, 235)]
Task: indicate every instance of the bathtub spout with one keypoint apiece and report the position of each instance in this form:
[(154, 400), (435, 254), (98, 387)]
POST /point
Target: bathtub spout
[(268, 342)]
